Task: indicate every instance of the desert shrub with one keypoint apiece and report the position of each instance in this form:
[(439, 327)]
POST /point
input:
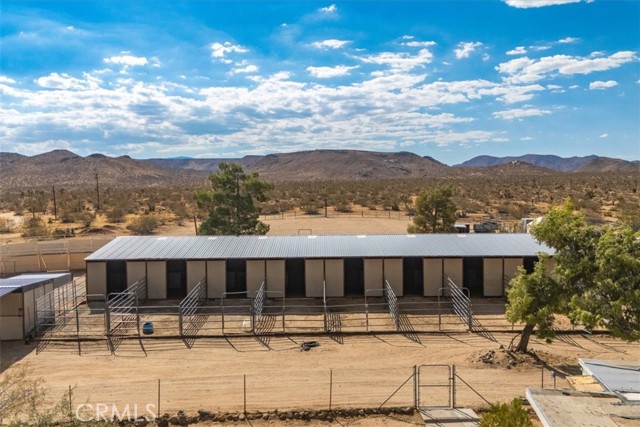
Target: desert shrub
[(343, 207), (506, 414), (34, 227), (310, 209), (6, 225), (85, 218), (143, 225)]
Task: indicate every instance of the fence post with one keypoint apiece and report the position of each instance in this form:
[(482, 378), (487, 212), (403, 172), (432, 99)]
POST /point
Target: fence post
[(415, 386), (542, 376), (330, 387), (453, 386), (158, 410), (245, 392)]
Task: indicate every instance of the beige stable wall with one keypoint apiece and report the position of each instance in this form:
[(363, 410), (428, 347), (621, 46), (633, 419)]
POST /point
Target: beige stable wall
[(216, 278), (393, 274), (255, 276), (432, 274), (511, 266), (156, 279), (97, 277), (196, 271), (492, 277), (313, 277), (275, 277), (136, 270), (11, 322), (453, 269), (29, 311), (373, 276), (334, 277)]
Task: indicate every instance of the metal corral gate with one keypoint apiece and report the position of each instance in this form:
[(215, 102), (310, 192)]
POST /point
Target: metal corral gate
[(460, 299)]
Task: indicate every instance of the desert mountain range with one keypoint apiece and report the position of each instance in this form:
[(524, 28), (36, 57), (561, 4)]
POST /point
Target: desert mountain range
[(67, 169)]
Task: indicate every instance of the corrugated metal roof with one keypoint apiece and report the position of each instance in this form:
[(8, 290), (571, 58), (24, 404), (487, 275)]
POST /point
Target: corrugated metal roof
[(4, 290), (25, 280), (275, 247), (617, 376)]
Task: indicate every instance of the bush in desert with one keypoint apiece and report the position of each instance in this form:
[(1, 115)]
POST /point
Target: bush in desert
[(511, 414), (143, 225)]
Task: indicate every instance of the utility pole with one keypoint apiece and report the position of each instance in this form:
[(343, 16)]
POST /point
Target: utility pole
[(97, 192), (55, 207)]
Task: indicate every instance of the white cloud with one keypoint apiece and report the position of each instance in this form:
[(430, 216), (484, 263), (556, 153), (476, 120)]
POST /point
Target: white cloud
[(70, 28), (600, 85), (246, 69), (569, 40), (526, 138), (540, 48), (524, 70), (61, 81), (5, 79), (219, 50), (465, 49), (407, 37), (329, 9), (127, 60), (519, 113), (420, 44), (524, 4), (520, 50), (330, 44), (399, 61), (604, 135), (328, 72)]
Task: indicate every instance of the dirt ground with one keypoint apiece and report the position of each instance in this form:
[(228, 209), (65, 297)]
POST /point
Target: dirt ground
[(360, 371)]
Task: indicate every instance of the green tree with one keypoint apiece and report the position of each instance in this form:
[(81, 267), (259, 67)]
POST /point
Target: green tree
[(510, 414), (231, 202), (534, 299), (595, 281), (435, 211)]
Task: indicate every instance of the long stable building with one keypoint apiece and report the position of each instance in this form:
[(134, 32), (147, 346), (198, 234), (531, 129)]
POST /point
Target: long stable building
[(302, 266)]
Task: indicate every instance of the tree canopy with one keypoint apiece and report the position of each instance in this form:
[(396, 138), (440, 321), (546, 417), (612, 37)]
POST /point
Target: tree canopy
[(435, 211), (595, 281), (231, 202)]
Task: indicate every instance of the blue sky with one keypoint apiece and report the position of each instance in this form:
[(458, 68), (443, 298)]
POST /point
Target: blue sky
[(449, 79)]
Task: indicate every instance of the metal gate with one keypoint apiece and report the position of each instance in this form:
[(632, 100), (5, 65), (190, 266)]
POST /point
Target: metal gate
[(435, 386)]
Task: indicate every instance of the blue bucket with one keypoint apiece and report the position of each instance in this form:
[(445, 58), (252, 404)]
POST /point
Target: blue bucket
[(147, 328)]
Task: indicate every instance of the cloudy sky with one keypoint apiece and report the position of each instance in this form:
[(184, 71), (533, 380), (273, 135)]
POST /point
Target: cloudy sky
[(450, 79)]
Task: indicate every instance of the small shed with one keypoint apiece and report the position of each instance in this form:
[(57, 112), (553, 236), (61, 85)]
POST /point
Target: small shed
[(18, 296)]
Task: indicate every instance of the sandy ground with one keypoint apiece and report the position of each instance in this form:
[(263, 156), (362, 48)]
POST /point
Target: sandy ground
[(363, 371)]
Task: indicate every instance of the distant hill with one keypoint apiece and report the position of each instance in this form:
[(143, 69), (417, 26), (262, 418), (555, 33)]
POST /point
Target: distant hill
[(66, 169), (347, 165), (561, 164), (200, 164), (514, 167)]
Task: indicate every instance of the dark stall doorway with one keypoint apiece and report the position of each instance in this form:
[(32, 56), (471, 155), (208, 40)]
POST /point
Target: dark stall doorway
[(236, 277), (412, 276), (176, 279), (472, 275), (353, 277), (294, 279), (529, 263), (116, 276)]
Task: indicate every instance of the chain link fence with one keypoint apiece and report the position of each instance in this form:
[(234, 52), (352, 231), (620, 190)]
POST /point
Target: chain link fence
[(322, 389)]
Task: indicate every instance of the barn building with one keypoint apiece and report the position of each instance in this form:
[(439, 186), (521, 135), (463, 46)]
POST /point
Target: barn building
[(18, 296), (304, 266)]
